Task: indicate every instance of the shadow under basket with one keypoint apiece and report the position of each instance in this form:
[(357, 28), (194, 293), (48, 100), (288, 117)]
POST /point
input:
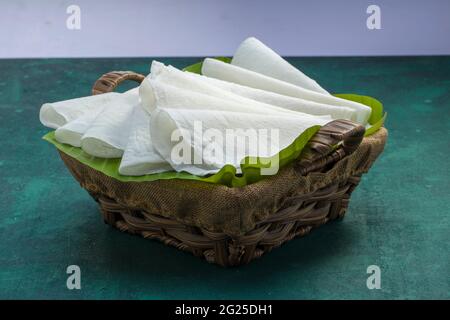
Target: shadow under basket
[(232, 226)]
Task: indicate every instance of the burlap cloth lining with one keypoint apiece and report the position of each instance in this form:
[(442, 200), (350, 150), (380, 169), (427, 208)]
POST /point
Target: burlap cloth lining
[(218, 208)]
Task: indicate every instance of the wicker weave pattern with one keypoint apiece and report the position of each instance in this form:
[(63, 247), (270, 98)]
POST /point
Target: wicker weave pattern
[(295, 220)]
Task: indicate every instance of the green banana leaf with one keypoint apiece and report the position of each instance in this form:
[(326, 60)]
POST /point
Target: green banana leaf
[(197, 67), (251, 167), (377, 117)]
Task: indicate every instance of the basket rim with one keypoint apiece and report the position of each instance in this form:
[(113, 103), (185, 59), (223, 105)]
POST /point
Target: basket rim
[(377, 137)]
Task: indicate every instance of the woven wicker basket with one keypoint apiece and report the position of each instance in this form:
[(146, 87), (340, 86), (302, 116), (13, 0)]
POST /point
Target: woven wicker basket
[(232, 226)]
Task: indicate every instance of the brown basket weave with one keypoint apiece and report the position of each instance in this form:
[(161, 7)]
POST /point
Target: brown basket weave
[(232, 226)]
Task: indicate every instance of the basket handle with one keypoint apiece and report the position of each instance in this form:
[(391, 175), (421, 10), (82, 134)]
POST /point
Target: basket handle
[(109, 81), (321, 148)]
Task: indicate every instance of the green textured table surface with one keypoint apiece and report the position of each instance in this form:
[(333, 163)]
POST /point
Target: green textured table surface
[(398, 218)]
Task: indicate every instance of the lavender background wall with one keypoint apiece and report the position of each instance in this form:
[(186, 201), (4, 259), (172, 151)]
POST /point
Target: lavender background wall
[(30, 28)]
